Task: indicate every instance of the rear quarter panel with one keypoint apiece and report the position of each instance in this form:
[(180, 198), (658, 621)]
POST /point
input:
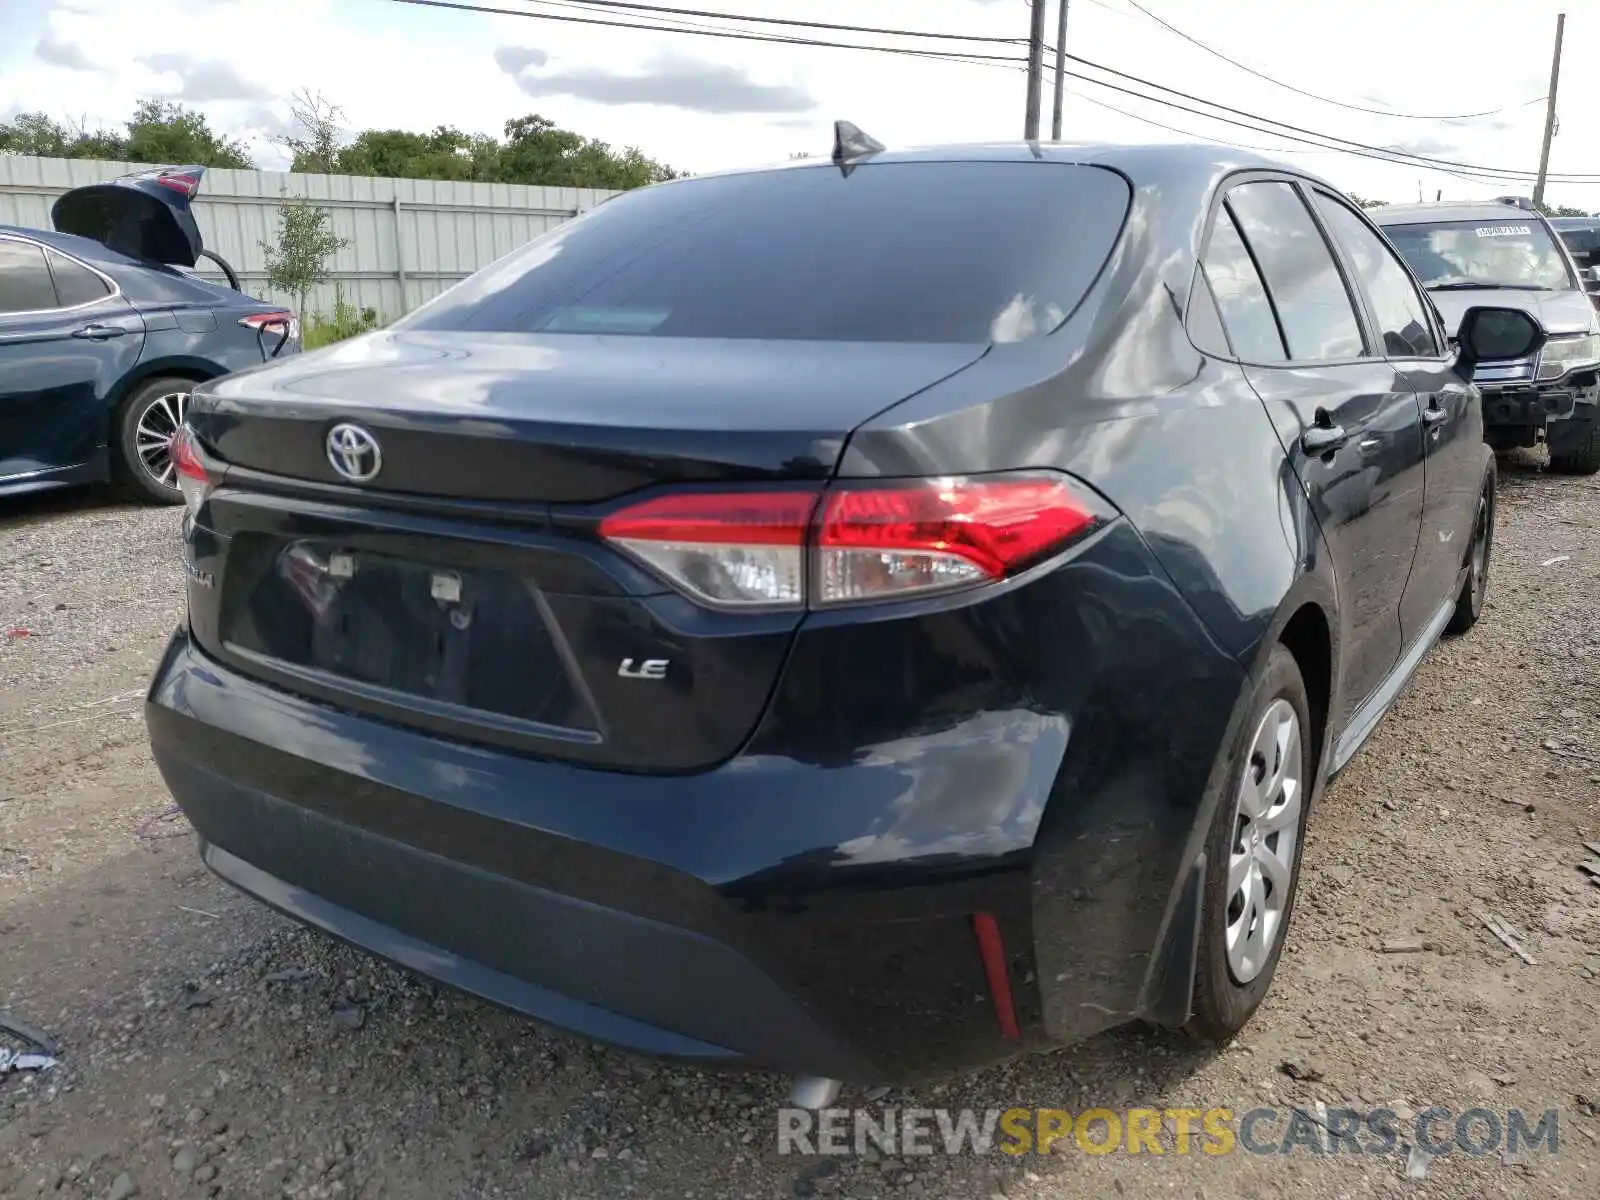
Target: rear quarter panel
[(1182, 445)]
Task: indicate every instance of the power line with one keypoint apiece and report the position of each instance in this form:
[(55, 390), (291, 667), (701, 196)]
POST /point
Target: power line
[(1204, 137), (1404, 155), (1377, 153), (1344, 145), (1381, 112), (731, 34), (677, 24), (1308, 148), (726, 16)]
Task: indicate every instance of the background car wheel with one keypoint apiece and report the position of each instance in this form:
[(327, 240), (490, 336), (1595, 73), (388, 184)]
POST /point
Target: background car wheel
[(1253, 853), (1583, 459), (146, 423), (1469, 605)]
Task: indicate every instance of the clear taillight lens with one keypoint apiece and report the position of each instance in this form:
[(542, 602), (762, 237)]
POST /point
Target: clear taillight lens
[(863, 542), (726, 549), (283, 324), (195, 479)]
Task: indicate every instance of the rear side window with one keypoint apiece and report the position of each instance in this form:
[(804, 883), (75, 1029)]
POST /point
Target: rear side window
[(1402, 320), (1313, 306), (1205, 322), (75, 283), (976, 252), (1246, 311), (24, 279)]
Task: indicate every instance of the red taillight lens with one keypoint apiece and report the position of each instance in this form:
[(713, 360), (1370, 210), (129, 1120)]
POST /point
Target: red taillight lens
[(864, 542), (181, 182), (940, 533), (740, 549), (195, 480)]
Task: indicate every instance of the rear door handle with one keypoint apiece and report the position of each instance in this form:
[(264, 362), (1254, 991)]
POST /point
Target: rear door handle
[(1434, 416), (98, 333), (1323, 439)]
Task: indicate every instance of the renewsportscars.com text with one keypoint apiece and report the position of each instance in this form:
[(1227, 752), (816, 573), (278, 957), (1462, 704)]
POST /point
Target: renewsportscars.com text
[(1211, 1131)]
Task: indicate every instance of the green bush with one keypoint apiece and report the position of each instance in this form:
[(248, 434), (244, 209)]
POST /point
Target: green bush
[(347, 322)]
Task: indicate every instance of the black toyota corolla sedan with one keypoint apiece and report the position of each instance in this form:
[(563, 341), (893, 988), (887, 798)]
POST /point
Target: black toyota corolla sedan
[(862, 618)]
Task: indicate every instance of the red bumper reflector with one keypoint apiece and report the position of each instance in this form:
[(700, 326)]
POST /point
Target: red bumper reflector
[(993, 952)]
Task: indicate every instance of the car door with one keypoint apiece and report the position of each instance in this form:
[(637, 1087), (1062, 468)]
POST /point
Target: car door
[(1347, 418), (66, 338), (1452, 411)]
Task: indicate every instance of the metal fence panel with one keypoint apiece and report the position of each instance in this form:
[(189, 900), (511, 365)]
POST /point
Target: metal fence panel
[(410, 239)]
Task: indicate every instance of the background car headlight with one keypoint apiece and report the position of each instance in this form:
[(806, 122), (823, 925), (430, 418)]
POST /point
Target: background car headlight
[(1563, 354)]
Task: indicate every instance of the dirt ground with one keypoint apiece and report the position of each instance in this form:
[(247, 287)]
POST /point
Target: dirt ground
[(210, 1048)]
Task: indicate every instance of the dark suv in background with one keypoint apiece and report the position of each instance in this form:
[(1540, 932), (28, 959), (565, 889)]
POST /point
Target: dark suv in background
[(1500, 253)]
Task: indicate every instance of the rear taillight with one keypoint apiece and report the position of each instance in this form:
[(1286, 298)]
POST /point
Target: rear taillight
[(855, 542), (197, 476), (283, 323), (185, 183), (743, 549)]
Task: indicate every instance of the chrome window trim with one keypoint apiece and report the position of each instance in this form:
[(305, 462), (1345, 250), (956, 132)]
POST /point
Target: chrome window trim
[(46, 249)]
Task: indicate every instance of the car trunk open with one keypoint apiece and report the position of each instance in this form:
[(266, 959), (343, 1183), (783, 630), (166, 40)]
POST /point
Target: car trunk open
[(146, 215)]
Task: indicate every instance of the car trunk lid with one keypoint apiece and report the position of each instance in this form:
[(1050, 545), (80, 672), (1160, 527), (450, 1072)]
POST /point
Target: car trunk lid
[(146, 215), (464, 588), (565, 418)]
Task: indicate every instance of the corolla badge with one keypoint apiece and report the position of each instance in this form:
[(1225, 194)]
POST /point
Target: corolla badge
[(354, 453)]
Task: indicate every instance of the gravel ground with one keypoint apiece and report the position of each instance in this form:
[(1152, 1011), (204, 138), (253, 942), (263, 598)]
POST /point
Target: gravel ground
[(210, 1048)]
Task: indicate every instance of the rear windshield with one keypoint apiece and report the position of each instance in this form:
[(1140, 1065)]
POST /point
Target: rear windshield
[(977, 252), (1501, 253)]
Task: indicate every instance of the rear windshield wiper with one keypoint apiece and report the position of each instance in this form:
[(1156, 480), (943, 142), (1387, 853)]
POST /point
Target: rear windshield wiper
[(1480, 286)]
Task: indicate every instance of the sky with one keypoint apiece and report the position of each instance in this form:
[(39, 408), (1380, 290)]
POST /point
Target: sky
[(702, 103)]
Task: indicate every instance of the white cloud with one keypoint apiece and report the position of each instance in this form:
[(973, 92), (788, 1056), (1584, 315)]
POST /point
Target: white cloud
[(391, 65)]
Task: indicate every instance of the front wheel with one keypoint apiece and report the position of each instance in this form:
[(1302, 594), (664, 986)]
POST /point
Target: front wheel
[(146, 423), (1583, 458), (1469, 604), (1253, 853)]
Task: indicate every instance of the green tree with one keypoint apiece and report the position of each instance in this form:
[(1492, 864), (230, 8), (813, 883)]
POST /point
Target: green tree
[(1365, 203), (35, 133), (1561, 210), (306, 244), (316, 147), (537, 151), (164, 132), (158, 132)]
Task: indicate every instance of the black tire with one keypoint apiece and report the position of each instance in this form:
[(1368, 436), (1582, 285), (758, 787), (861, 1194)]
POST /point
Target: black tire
[(1469, 604), (1583, 458), (1222, 1002), (156, 403)]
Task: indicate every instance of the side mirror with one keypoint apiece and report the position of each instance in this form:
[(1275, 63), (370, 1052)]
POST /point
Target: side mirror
[(1494, 334)]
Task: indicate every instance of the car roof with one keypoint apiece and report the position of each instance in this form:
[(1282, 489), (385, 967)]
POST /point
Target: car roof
[(79, 247), (1420, 214), (1139, 162)]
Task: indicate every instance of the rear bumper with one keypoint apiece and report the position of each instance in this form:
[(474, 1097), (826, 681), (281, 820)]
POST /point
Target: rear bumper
[(627, 917), (1041, 756)]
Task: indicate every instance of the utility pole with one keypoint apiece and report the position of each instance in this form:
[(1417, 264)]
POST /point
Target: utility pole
[(1030, 128), (1550, 113), (1061, 72)]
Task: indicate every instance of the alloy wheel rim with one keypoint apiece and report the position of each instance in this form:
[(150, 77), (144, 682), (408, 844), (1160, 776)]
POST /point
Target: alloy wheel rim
[(158, 425), (1480, 552), (1266, 827)]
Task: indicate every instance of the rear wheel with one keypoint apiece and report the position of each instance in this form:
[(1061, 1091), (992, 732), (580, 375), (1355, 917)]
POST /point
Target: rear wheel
[(146, 423), (1253, 853), (1583, 458), (1469, 604)]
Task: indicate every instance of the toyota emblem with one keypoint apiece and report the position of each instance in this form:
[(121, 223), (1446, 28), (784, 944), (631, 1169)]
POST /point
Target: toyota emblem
[(354, 453)]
